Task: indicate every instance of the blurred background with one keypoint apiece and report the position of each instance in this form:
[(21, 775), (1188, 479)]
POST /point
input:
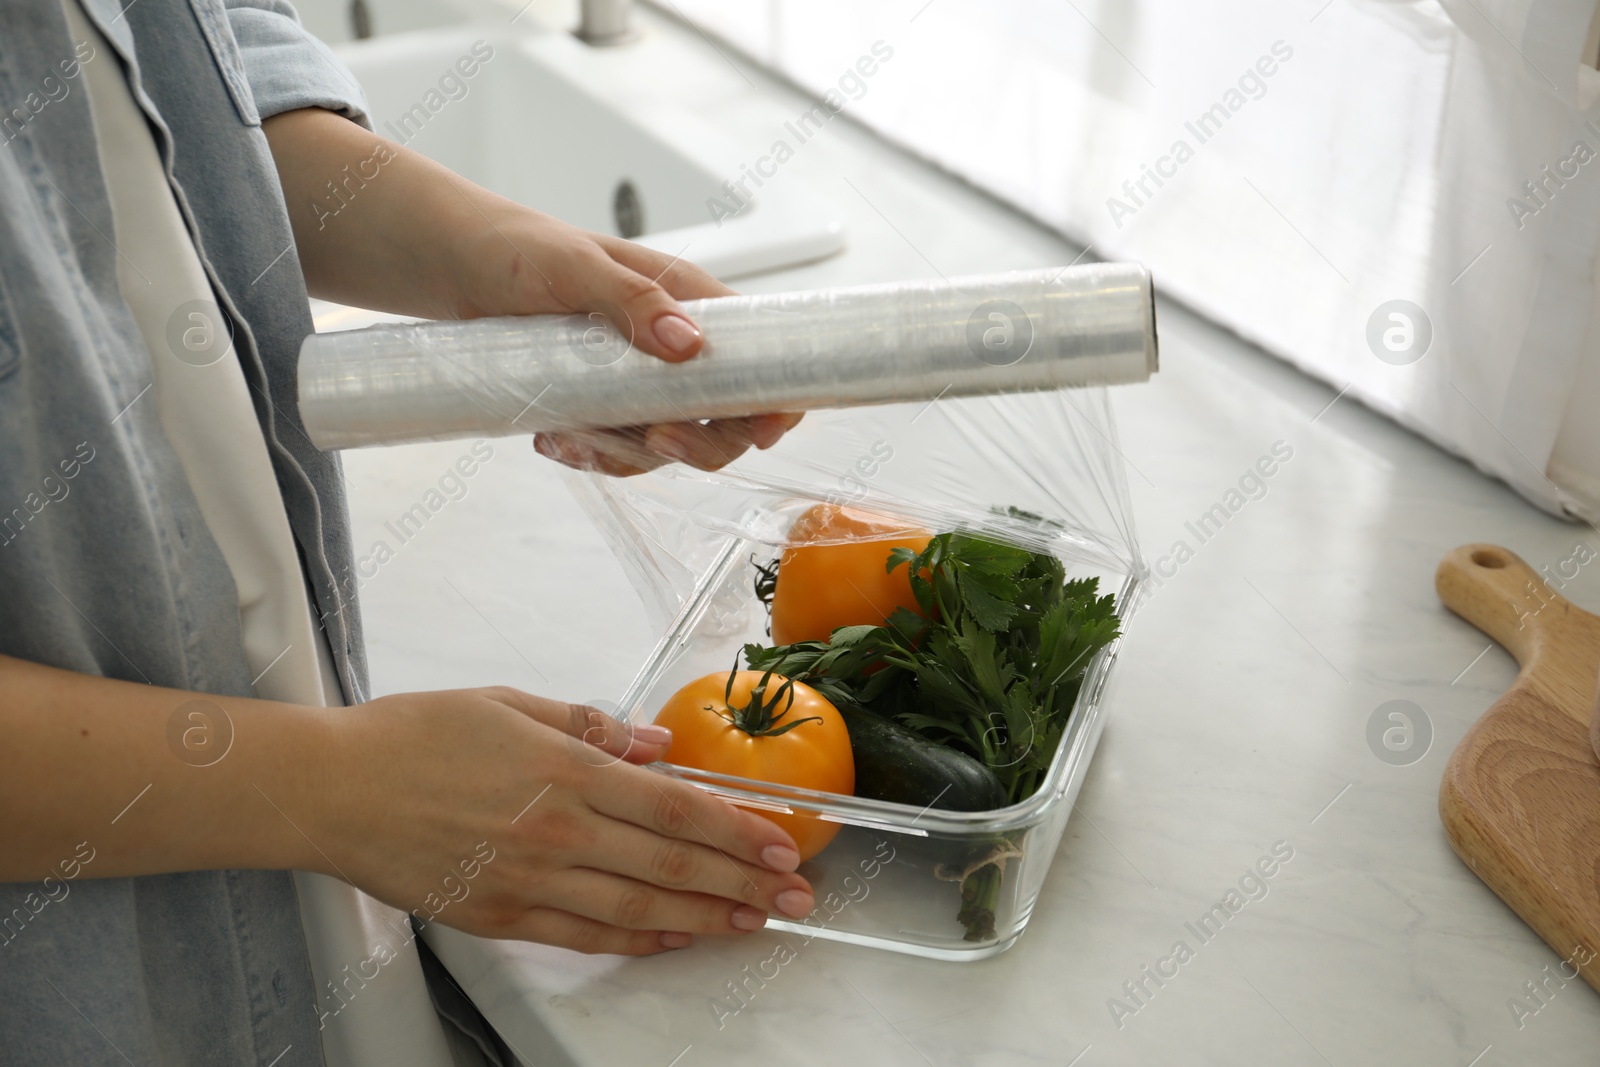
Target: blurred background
[(1331, 180)]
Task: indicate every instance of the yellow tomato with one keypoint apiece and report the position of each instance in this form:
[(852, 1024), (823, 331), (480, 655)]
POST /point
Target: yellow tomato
[(821, 587), (769, 729)]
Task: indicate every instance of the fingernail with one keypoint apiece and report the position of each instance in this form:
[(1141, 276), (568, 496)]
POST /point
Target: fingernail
[(676, 939), (795, 903), (565, 451), (544, 446), (676, 333), (581, 456), (651, 734), (747, 918), (766, 433), (780, 858), (667, 445)]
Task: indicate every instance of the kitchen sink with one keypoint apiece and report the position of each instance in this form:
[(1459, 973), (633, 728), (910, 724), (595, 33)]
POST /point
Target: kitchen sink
[(575, 131)]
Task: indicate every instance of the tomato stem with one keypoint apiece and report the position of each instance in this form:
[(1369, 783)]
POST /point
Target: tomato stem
[(766, 581), (759, 716)]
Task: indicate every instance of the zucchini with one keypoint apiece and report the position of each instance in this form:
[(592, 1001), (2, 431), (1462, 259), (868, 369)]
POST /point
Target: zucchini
[(894, 763)]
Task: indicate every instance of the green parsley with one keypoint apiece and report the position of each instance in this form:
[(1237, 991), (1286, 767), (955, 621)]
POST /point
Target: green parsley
[(991, 667)]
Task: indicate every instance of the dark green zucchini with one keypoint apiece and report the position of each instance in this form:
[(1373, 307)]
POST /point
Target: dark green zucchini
[(894, 763)]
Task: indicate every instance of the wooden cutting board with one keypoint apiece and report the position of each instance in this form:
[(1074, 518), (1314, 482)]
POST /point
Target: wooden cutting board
[(1520, 798)]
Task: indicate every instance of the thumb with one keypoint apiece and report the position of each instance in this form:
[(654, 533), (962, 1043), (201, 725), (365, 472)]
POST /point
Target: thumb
[(591, 729), (636, 743), (640, 309)]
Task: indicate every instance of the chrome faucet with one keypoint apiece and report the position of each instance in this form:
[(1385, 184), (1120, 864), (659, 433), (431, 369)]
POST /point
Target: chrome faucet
[(606, 23), (360, 20)]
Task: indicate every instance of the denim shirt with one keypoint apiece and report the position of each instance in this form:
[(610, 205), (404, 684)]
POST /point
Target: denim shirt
[(106, 566)]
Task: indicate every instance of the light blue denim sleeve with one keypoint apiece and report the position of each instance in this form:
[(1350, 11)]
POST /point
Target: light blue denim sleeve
[(287, 67)]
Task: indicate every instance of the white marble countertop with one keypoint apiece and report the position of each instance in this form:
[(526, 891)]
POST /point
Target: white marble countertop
[(1237, 719)]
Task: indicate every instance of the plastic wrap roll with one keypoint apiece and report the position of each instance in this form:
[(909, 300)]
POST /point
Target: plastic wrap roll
[(1020, 332)]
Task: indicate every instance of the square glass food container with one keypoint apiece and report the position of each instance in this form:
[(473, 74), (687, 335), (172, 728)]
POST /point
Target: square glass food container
[(893, 876)]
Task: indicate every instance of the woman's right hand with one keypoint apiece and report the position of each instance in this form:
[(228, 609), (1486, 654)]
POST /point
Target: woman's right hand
[(589, 850)]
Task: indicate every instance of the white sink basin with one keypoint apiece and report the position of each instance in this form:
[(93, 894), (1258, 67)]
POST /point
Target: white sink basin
[(550, 122)]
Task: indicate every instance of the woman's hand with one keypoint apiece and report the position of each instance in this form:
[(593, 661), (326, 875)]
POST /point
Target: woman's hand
[(419, 240), (589, 851), (527, 263), (497, 812)]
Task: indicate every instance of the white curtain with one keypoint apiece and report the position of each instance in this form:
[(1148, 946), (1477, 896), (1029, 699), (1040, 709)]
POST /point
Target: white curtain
[(1290, 169)]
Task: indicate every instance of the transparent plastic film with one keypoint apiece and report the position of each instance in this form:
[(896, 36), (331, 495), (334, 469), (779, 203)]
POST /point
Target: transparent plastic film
[(1028, 331), (1040, 470), (1034, 471)]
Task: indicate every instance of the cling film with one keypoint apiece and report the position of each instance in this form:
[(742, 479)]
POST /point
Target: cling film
[(1040, 470)]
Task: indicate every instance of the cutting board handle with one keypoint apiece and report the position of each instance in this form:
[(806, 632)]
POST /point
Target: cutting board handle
[(1493, 589), (1520, 797), (1497, 592)]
